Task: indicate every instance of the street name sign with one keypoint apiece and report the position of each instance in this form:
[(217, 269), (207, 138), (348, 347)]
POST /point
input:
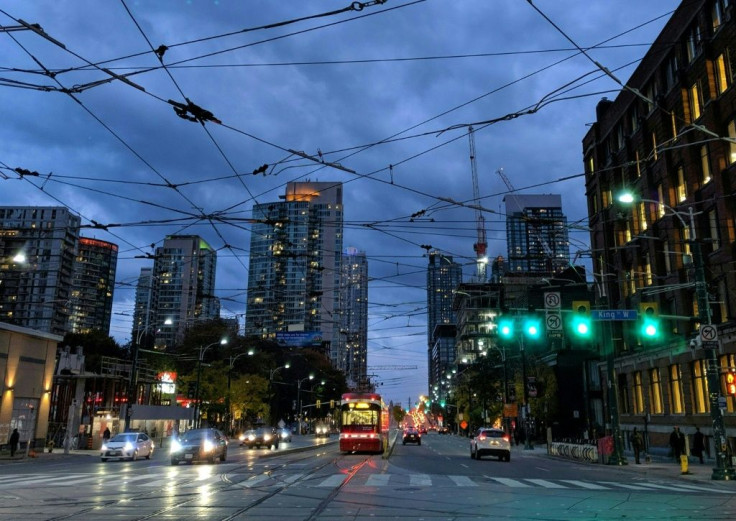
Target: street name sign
[(614, 314)]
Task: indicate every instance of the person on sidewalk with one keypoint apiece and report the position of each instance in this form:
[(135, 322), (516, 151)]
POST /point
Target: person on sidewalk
[(106, 435), (677, 443), (13, 442), (637, 443), (699, 444)]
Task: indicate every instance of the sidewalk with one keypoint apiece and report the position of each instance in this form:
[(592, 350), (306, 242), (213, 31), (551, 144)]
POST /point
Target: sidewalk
[(658, 466)]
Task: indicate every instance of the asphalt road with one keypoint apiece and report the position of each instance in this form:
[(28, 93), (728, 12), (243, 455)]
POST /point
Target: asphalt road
[(437, 480)]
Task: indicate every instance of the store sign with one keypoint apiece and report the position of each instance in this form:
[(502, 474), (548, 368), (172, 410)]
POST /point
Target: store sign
[(167, 381)]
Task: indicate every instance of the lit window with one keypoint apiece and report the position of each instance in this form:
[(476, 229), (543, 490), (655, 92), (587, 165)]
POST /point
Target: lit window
[(660, 198), (654, 146), (647, 269), (705, 164), (699, 387), (694, 99), (638, 394), (723, 78), (681, 185), (732, 144), (655, 392), (643, 225), (677, 404)]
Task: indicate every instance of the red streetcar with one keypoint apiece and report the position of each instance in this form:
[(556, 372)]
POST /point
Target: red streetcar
[(363, 423)]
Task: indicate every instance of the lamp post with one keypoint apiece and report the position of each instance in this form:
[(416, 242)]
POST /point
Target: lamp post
[(299, 398), (202, 351), (723, 469), (270, 385), (229, 378)]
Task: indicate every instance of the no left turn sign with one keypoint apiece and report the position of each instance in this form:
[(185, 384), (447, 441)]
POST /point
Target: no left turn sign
[(708, 333)]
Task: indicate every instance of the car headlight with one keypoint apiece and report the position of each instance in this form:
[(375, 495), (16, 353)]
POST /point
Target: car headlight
[(128, 446), (266, 437), (241, 437), (251, 437), (175, 446), (208, 446)]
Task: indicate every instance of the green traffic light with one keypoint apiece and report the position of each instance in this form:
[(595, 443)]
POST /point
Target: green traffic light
[(581, 326), (506, 328), (650, 329), (532, 329)]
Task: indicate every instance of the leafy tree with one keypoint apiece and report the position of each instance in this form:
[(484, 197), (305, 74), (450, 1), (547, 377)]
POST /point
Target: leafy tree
[(95, 345)]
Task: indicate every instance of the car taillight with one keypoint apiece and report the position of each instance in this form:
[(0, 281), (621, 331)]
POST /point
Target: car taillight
[(481, 437), (507, 438)]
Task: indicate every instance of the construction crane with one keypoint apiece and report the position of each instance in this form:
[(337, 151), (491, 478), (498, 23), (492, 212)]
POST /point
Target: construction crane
[(481, 245), (535, 230)]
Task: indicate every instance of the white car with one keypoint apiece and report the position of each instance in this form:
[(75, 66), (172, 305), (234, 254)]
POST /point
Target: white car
[(488, 440), (127, 445)]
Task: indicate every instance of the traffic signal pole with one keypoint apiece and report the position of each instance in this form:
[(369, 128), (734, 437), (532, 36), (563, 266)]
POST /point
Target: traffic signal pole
[(724, 469)]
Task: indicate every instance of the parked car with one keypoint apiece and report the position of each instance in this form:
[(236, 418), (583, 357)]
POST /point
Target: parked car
[(411, 435), (127, 445), (443, 430), (199, 445), (284, 435), (261, 437), (494, 442)]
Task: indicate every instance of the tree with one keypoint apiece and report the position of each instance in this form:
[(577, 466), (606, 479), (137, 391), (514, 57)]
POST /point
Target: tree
[(95, 345)]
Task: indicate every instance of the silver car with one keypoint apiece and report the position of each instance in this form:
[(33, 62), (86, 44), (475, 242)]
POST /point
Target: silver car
[(127, 445)]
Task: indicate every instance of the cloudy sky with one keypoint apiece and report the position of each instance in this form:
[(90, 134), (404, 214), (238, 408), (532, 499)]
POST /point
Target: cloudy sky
[(386, 91)]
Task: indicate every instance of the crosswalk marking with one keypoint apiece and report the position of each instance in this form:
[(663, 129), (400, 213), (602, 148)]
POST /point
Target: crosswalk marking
[(333, 481), (377, 480), (623, 485), (187, 480), (292, 478), (546, 484), (510, 482), (463, 481), (584, 484), (252, 482), (420, 480)]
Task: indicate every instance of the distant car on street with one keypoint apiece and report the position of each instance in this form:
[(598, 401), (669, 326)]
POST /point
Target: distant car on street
[(127, 445), (284, 435), (261, 437), (322, 431), (411, 435), (443, 430), (199, 445), (494, 442)]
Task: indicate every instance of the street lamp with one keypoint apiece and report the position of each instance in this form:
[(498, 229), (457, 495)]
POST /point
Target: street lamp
[(270, 387), (299, 398), (723, 469), (202, 351), (229, 377)]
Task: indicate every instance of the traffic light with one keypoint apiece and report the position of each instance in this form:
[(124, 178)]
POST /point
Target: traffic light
[(731, 383), (506, 328), (649, 320), (532, 327), (581, 324), (442, 403)]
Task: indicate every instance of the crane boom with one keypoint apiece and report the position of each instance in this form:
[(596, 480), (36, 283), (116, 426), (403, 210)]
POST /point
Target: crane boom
[(481, 244)]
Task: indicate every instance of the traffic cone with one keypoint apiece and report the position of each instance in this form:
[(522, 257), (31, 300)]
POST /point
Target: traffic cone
[(683, 464)]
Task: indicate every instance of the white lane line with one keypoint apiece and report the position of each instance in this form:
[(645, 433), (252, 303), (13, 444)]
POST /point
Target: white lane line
[(509, 482), (333, 481), (624, 485), (546, 484), (39, 480), (584, 484), (420, 480), (463, 481)]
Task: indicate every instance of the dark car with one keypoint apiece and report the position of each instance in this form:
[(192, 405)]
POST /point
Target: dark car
[(261, 437), (411, 435), (199, 445)]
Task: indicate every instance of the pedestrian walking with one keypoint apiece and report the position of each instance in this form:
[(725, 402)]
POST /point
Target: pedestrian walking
[(698, 444), (637, 443), (106, 434), (13, 442)]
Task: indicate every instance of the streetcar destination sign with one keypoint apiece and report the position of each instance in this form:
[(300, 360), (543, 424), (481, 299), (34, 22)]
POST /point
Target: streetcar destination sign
[(614, 314)]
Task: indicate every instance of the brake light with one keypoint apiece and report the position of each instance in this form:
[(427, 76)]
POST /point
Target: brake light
[(507, 438), (482, 437)]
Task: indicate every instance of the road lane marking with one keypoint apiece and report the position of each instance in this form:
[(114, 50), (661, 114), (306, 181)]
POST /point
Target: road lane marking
[(37, 479), (583, 484), (685, 488), (509, 482), (377, 480), (333, 481), (546, 484), (420, 480), (463, 481)]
